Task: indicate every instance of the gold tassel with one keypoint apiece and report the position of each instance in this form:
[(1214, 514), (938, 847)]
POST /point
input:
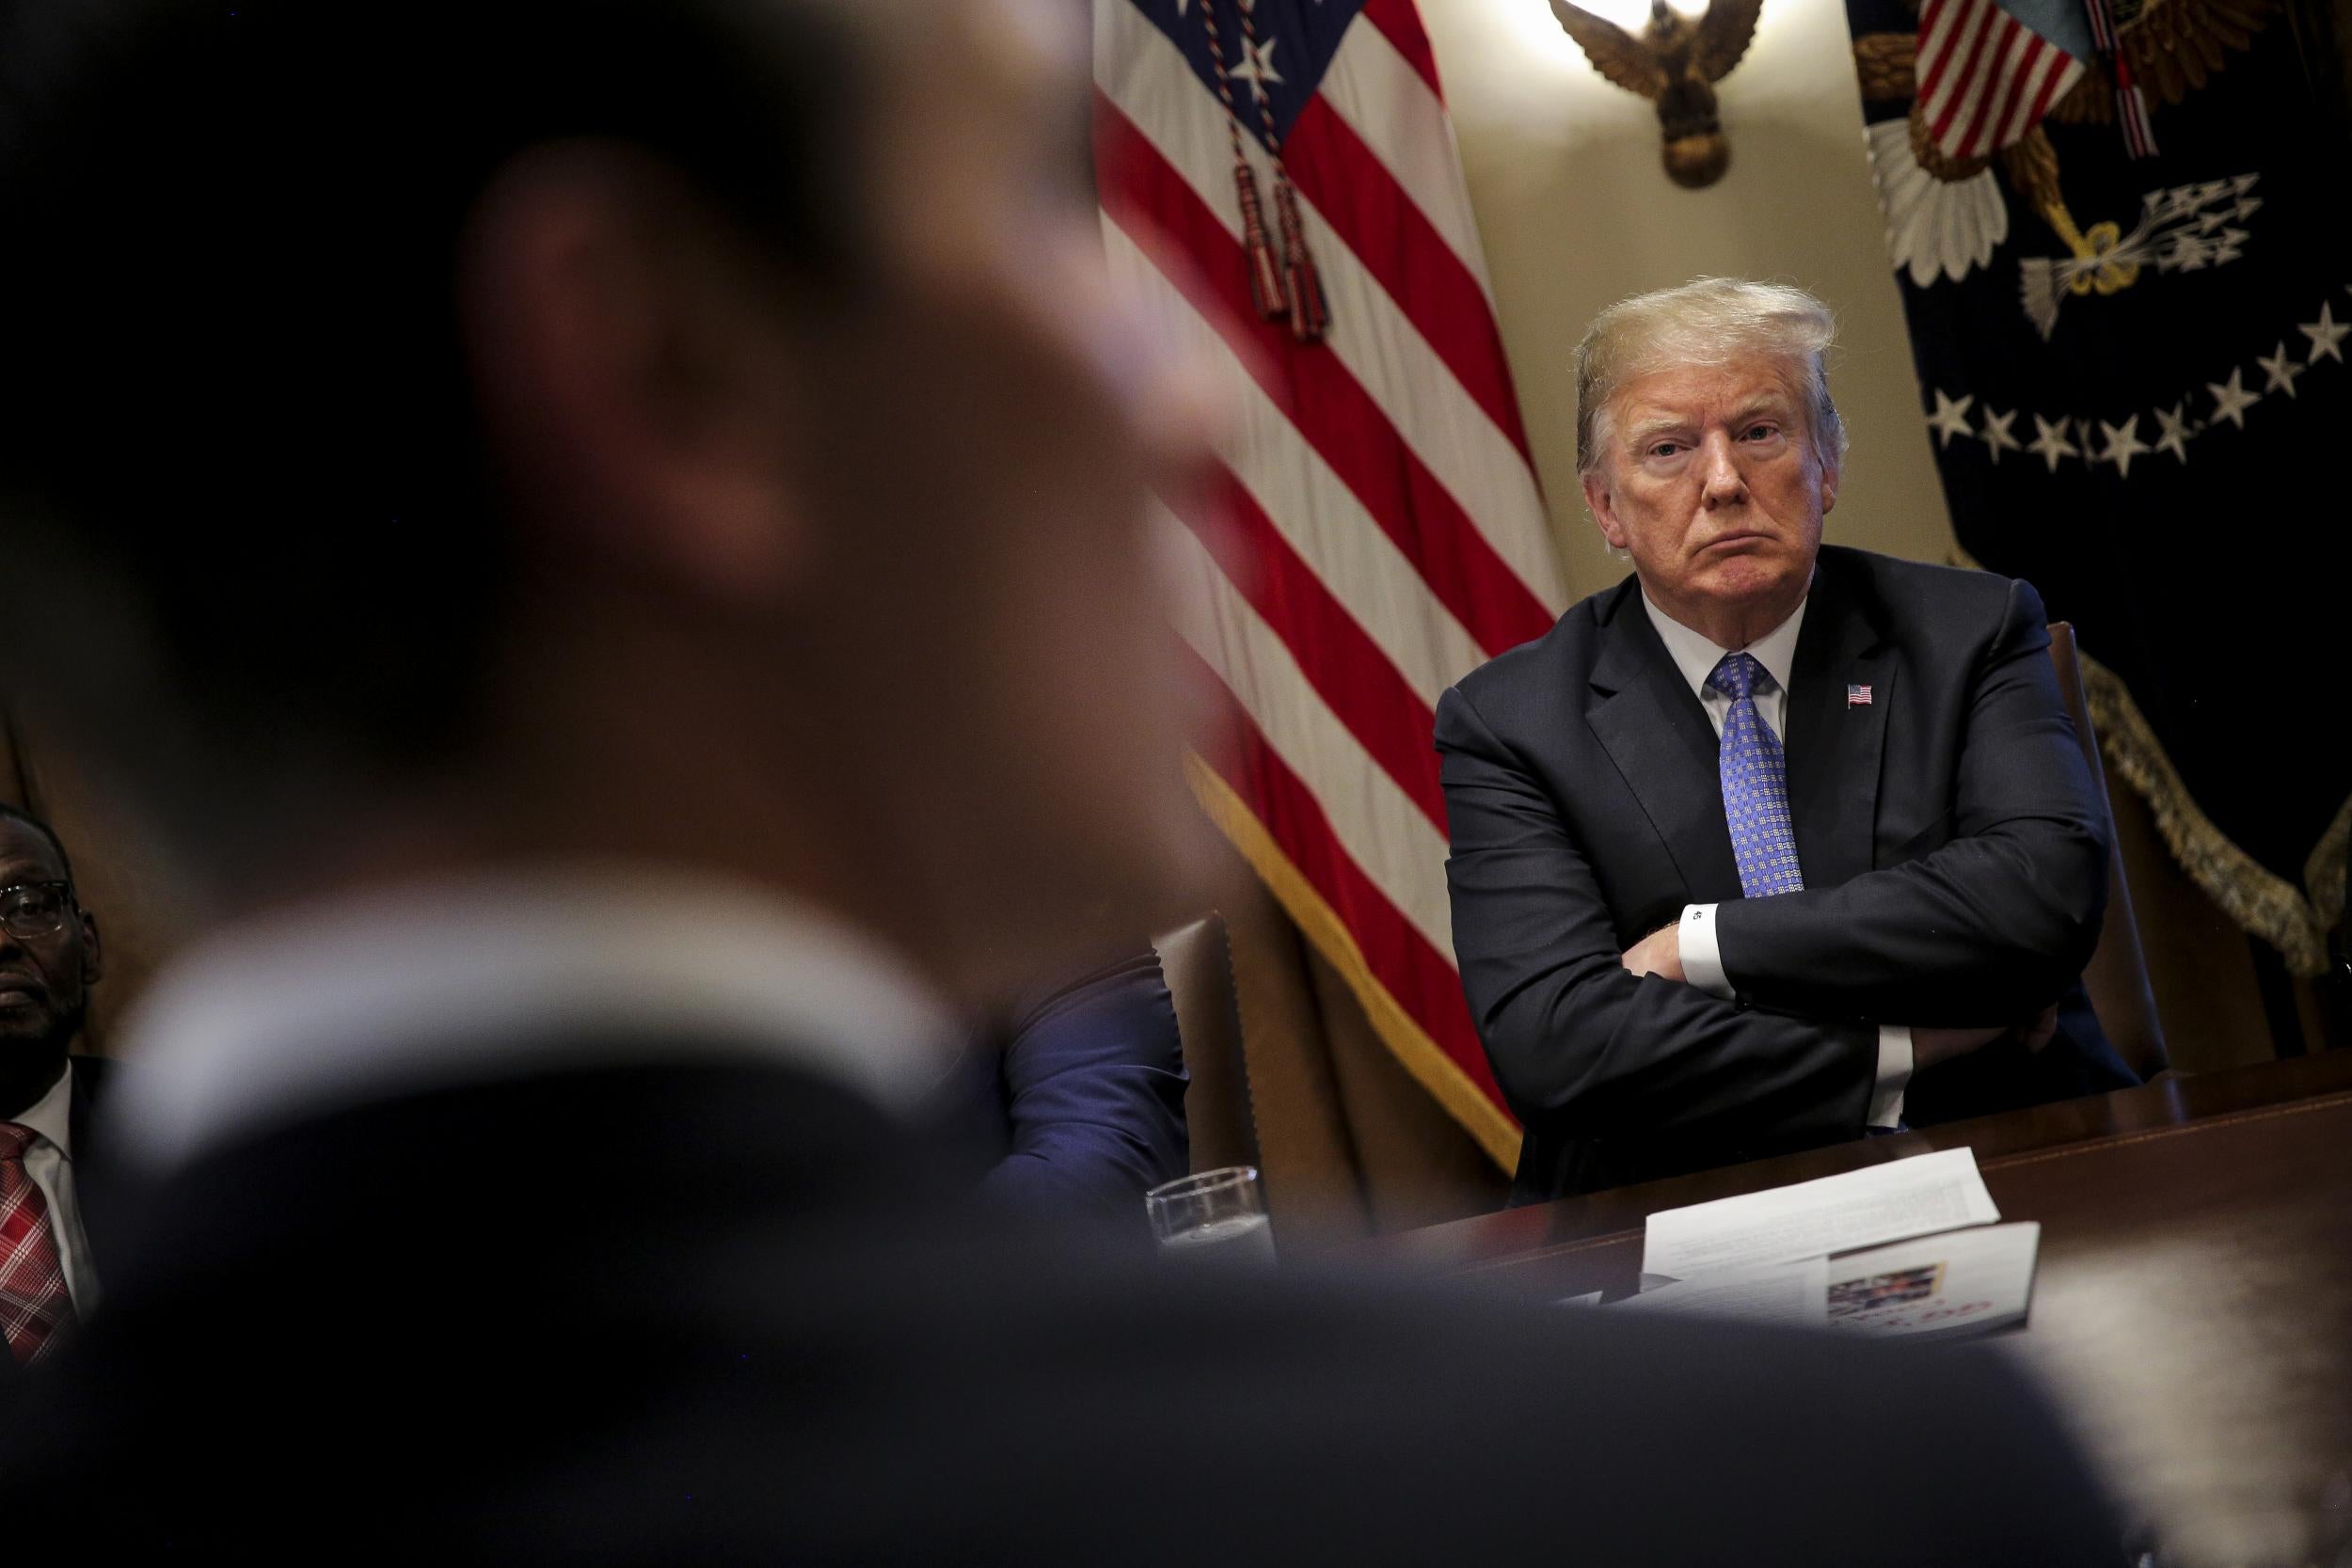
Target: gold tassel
[(1265, 282), (1304, 285)]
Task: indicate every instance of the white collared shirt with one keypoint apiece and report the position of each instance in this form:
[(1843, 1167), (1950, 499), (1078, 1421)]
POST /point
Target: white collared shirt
[(465, 981), (49, 1161), (1695, 655)]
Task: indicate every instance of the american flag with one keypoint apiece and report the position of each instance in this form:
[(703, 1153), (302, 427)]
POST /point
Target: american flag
[(1988, 72), (1379, 532)]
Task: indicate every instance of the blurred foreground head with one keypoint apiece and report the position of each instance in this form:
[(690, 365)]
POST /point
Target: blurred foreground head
[(438, 435)]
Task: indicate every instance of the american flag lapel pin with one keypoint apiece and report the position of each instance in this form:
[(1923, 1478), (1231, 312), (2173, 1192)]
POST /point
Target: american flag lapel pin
[(1857, 696)]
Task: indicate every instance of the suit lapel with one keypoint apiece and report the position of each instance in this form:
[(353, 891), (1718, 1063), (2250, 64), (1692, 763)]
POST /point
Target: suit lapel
[(89, 1080), (1834, 743), (1651, 725)]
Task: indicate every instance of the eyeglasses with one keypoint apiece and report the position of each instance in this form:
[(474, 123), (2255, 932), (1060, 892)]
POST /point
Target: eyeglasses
[(35, 909)]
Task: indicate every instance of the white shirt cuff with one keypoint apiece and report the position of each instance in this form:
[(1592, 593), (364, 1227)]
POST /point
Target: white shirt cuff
[(1886, 1099), (1703, 961)]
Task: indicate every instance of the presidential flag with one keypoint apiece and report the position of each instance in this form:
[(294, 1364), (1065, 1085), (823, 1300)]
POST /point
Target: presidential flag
[(1279, 180), (2130, 346)]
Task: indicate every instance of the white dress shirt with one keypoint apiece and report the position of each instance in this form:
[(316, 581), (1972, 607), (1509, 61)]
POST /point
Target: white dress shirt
[(1696, 656), (49, 1161), (438, 986)]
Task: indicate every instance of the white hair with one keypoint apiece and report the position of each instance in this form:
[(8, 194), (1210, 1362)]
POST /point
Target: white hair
[(1708, 321)]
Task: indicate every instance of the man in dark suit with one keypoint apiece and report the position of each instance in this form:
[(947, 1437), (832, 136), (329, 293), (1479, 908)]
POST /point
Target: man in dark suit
[(49, 959), (618, 538), (1771, 843)]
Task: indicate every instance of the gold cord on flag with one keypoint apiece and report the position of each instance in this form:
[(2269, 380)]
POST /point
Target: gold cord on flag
[(1295, 290)]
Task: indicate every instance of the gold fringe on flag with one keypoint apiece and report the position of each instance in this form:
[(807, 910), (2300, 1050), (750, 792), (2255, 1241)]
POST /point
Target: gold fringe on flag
[(2257, 899), (1420, 1056)]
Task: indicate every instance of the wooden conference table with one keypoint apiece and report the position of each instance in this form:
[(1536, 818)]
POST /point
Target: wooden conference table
[(2192, 1302)]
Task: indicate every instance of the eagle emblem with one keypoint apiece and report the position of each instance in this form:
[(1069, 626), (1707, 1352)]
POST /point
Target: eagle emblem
[(1945, 216), (1675, 63)]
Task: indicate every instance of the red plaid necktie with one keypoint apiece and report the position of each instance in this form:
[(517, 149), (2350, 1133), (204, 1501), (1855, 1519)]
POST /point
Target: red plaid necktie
[(36, 1313)]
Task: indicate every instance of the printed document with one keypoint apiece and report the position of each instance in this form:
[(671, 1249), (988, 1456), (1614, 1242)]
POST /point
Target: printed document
[(1891, 1202), (1963, 1282)]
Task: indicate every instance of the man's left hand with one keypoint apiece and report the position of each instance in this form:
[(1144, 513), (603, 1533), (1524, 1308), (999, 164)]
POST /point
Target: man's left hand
[(1658, 952)]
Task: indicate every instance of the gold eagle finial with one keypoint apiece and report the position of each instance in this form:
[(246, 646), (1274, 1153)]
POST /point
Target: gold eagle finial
[(1675, 63)]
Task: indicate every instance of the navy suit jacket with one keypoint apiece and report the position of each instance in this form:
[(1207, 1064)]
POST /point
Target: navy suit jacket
[(1080, 1098), (762, 1330), (1953, 845)]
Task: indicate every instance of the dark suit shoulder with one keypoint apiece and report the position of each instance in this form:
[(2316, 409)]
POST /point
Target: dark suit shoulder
[(90, 1073), (683, 1304), (1535, 666), (1902, 595)]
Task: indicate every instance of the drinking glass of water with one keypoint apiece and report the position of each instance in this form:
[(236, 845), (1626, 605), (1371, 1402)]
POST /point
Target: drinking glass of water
[(1217, 1216)]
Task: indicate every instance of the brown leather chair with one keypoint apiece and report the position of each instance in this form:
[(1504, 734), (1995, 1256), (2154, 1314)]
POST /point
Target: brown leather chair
[(2117, 978), (1198, 962)]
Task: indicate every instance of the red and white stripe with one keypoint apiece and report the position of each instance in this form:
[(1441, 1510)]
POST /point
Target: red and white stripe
[(1986, 78), (1380, 532)]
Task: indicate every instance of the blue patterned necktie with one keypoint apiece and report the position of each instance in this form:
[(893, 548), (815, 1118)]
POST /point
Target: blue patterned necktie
[(1756, 785)]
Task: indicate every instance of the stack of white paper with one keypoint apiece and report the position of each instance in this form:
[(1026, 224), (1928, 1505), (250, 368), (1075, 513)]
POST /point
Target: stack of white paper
[(1813, 1219), (1819, 1253), (1790, 1293)]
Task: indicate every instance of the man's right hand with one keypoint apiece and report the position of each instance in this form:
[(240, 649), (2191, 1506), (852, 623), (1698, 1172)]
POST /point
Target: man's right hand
[(1930, 1046)]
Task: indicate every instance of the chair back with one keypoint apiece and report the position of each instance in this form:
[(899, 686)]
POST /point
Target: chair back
[(2116, 977), (1198, 962)]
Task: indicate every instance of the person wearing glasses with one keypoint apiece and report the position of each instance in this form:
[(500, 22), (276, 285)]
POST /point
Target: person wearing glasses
[(49, 959)]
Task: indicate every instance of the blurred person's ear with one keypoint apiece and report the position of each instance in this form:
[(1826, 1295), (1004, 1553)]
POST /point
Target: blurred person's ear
[(634, 374)]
